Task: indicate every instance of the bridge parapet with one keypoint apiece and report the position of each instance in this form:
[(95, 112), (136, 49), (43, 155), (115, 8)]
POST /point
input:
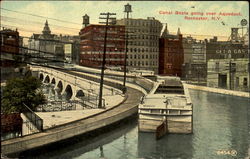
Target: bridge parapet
[(112, 82), (74, 85)]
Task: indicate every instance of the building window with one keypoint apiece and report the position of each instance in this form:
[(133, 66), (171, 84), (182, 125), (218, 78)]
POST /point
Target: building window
[(244, 82), (248, 67), (217, 66)]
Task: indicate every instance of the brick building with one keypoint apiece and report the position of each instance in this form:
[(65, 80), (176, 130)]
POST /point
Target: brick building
[(9, 46), (92, 45), (171, 55)]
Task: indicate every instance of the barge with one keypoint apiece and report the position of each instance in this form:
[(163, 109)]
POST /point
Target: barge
[(167, 108)]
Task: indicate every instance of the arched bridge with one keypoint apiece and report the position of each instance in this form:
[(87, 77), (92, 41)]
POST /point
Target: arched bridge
[(72, 86)]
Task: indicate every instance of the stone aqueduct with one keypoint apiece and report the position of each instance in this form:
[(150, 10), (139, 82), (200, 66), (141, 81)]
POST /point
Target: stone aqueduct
[(64, 86)]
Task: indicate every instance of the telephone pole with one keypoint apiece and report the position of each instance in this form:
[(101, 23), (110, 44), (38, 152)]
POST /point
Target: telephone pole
[(109, 20), (127, 10), (230, 75)]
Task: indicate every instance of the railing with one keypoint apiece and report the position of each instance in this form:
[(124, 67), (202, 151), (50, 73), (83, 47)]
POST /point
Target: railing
[(140, 81), (89, 102), (34, 119), (57, 106)]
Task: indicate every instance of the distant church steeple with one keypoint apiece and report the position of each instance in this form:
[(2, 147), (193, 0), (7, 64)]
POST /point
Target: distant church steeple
[(46, 29), (165, 32), (179, 31)]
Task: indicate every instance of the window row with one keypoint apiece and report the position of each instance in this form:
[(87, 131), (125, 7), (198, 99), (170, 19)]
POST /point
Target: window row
[(142, 63), (143, 56), (142, 43), (143, 23), (141, 36), (143, 50)]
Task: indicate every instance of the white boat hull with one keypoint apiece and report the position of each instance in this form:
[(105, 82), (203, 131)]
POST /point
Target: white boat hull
[(169, 103)]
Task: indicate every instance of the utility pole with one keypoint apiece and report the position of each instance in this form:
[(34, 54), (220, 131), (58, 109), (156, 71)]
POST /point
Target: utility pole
[(104, 52), (127, 10), (230, 75)]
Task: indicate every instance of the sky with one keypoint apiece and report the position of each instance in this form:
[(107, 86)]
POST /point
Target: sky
[(72, 12)]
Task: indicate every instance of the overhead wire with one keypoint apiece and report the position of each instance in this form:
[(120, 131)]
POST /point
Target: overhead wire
[(195, 35), (40, 16), (27, 22)]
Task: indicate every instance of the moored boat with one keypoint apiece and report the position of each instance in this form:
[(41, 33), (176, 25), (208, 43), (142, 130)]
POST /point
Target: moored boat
[(167, 107)]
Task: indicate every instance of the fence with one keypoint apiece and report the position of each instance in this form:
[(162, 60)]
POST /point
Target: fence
[(33, 119), (89, 101), (57, 106)]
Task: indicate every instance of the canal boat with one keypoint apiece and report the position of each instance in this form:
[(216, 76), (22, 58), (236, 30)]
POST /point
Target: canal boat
[(167, 108)]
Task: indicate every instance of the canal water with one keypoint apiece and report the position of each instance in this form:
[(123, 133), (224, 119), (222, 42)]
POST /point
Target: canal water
[(221, 131)]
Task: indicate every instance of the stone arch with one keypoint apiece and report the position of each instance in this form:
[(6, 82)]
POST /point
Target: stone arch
[(41, 77), (59, 86), (53, 81), (47, 79), (69, 92), (80, 94)]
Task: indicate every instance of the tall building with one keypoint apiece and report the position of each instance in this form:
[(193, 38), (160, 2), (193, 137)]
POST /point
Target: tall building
[(10, 42), (92, 45), (11, 53), (143, 43), (171, 55), (225, 49), (50, 45), (43, 42), (228, 63), (194, 68)]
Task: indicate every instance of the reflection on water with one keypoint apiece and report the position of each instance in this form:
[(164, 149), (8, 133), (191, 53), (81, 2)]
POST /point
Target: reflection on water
[(10, 135), (170, 146), (220, 123)]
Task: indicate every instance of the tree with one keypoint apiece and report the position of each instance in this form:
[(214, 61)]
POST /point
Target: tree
[(19, 91)]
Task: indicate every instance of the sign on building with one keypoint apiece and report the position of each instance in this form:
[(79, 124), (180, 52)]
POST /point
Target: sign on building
[(68, 49), (68, 52)]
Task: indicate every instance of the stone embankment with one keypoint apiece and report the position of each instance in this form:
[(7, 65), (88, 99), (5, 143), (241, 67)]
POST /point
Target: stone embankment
[(219, 90)]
